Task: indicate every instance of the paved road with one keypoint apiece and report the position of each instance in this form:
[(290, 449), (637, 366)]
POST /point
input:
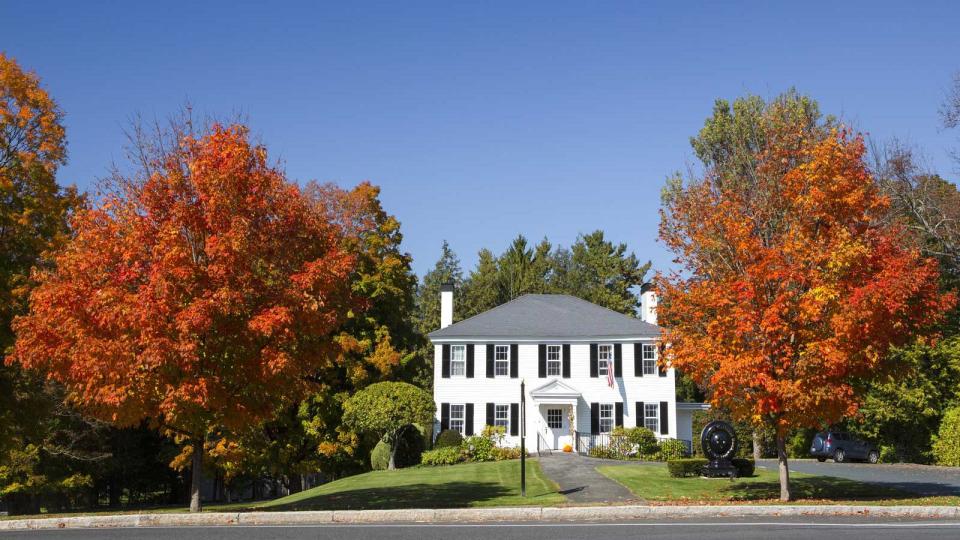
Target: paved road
[(920, 479), (579, 480), (713, 529)]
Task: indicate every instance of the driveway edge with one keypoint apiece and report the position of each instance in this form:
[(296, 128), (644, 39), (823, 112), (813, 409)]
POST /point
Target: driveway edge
[(470, 515)]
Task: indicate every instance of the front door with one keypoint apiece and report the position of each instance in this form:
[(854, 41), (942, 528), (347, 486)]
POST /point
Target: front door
[(558, 428)]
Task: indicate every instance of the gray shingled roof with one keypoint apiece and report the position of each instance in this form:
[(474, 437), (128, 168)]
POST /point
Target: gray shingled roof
[(558, 316)]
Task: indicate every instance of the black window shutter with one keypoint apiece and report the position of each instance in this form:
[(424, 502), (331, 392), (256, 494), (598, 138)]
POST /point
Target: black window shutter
[(664, 419), (638, 359), (468, 419), (640, 414), (444, 416), (566, 360), (445, 369), (618, 419), (514, 361), (490, 348), (593, 360), (490, 418), (514, 419), (617, 360), (542, 361), (470, 361), (594, 418)]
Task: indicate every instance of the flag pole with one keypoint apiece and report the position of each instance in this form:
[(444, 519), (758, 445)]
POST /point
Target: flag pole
[(523, 436)]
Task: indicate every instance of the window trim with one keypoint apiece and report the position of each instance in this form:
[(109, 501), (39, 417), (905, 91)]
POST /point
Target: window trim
[(650, 362), (655, 407), (505, 419), (497, 363), (462, 419), (462, 363), (609, 418), (603, 365), (555, 366)]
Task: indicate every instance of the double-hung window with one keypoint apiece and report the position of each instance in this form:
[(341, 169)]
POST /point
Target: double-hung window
[(649, 359), (501, 360), (554, 362), (651, 417), (606, 417), (457, 415), (458, 360), (501, 416), (604, 359)]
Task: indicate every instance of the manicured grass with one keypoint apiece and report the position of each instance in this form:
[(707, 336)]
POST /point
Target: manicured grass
[(466, 485), (654, 483)]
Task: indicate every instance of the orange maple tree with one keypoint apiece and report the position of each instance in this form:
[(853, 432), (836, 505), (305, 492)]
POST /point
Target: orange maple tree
[(199, 296), (793, 286)]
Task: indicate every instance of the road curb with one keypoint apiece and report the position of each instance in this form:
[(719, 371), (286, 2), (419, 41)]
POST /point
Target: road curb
[(470, 515)]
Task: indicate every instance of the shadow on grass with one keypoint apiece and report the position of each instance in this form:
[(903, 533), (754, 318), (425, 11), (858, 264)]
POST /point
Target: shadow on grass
[(821, 488), (445, 495)]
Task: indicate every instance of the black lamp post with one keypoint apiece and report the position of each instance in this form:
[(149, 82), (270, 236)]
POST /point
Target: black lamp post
[(523, 435)]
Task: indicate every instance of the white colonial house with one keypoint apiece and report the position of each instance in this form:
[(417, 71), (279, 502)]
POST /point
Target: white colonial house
[(586, 370)]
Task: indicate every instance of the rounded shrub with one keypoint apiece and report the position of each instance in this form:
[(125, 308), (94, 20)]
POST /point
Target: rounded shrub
[(946, 443), (448, 438), (682, 468), (380, 456), (745, 467), (672, 449), (410, 446), (645, 442)]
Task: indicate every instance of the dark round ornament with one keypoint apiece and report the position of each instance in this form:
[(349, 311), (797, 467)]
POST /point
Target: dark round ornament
[(718, 440)]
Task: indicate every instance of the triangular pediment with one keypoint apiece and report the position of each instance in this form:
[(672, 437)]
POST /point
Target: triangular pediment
[(554, 388)]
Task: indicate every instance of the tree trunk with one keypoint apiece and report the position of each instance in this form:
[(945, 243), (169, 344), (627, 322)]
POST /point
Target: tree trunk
[(757, 445), (196, 474), (393, 456), (783, 467)]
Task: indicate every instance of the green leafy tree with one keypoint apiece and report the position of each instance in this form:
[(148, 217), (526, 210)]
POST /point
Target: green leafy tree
[(904, 409), (523, 269), (427, 307), (482, 291), (385, 409), (604, 273)]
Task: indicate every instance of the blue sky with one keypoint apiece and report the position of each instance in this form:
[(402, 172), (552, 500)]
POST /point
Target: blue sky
[(483, 120)]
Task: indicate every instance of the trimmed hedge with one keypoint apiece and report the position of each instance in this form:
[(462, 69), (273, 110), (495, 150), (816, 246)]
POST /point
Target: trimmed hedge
[(745, 467), (681, 468), (443, 456)]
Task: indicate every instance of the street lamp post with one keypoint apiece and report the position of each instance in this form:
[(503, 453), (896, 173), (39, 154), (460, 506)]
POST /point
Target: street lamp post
[(523, 436)]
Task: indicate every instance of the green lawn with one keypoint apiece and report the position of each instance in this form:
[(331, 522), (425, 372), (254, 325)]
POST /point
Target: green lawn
[(465, 485), (654, 483)]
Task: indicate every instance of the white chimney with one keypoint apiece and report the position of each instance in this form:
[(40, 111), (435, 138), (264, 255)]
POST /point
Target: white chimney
[(648, 304), (446, 305)]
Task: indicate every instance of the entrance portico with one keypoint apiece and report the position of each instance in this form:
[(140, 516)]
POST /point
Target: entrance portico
[(556, 405)]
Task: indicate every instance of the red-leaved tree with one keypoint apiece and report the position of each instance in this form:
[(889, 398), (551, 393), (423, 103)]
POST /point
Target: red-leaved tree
[(793, 285), (198, 296)]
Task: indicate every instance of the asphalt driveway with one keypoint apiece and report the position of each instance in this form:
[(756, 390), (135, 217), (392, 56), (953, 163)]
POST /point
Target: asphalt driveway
[(919, 479)]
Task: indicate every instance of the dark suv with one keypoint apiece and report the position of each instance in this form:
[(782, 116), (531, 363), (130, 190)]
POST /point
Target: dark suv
[(841, 447)]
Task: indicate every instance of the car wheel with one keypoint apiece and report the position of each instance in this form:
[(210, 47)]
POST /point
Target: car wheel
[(821, 459), (873, 456), (839, 455)]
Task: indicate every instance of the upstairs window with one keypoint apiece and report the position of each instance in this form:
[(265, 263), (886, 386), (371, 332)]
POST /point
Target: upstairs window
[(651, 417), (501, 360), (649, 359), (604, 359), (554, 362), (606, 417), (458, 360)]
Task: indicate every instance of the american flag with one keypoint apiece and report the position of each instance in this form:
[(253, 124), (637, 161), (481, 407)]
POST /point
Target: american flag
[(610, 372)]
